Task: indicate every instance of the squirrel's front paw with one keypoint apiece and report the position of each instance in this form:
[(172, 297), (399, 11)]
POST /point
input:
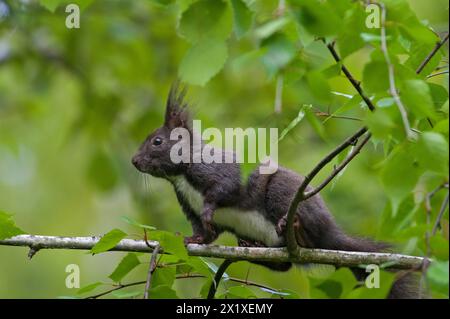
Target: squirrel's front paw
[(194, 239), (281, 226)]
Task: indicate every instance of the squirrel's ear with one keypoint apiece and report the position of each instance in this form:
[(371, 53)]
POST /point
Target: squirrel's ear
[(177, 113)]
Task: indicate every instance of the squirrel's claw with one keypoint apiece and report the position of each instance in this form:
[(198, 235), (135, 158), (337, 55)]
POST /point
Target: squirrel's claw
[(282, 224), (194, 239), (250, 243)]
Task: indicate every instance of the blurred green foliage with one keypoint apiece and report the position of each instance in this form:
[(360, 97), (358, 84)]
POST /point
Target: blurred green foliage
[(76, 103)]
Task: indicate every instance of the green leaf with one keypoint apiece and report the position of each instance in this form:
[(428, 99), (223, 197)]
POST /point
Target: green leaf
[(247, 59), (432, 152), (268, 29), (204, 290), (318, 17), (164, 276), (350, 42), (386, 280), (89, 288), (316, 124), (375, 77), (380, 123), (439, 247), (8, 228), (319, 86), (127, 264), (243, 18), (418, 53), (240, 292), (200, 266), (279, 52), (347, 280), (417, 98), (121, 294), (206, 19), (331, 288), (203, 60), (133, 222), (170, 243), (162, 292), (439, 95), (352, 103), (442, 127), (213, 267), (437, 274), (50, 5), (163, 2), (294, 123), (399, 175), (108, 241)]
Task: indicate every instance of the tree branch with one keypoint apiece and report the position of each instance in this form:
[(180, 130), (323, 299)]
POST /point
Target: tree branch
[(432, 54), (183, 276), (441, 213), (217, 278), (391, 72), (356, 84), (300, 195), (151, 269), (338, 169), (352, 140), (318, 256)]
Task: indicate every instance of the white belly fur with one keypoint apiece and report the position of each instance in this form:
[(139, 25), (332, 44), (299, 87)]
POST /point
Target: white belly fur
[(250, 224)]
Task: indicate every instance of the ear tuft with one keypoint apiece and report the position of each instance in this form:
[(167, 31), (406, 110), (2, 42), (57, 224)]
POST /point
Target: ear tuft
[(177, 113)]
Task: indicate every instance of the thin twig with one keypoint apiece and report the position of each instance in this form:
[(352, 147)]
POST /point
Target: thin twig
[(392, 86), (338, 169), (436, 74), (339, 117), (218, 276), (432, 54), (151, 269), (300, 196), (183, 276), (428, 208), (441, 213), (356, 84), (117, 287)]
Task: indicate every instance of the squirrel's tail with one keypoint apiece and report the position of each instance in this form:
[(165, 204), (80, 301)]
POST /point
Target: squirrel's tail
[(406, 284)]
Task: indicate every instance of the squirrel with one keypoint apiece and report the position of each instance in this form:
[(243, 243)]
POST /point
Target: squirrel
[(214, 199)]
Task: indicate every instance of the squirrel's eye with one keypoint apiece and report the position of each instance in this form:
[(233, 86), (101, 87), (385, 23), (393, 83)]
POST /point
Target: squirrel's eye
[(157, 141)]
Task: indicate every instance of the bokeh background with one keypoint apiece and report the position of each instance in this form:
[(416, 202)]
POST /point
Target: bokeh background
[(76, 103)]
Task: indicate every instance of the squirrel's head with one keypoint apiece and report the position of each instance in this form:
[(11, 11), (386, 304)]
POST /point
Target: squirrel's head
[(153, 156)]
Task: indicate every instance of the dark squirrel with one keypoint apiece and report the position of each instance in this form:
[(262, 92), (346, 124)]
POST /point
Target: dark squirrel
[(215, 200)]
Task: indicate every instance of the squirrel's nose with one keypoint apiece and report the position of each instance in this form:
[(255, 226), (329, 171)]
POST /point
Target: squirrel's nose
[(135, 161)]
